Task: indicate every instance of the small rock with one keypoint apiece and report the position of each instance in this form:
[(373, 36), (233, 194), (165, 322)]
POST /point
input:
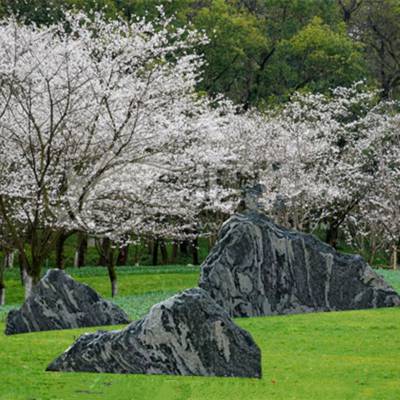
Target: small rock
[(60, 302)]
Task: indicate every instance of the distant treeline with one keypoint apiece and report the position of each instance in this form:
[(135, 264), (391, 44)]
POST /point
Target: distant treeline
[(262, 51)]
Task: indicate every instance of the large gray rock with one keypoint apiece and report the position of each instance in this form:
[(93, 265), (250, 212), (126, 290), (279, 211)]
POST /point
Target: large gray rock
[(59, 302), (259, 268), (187, 334)]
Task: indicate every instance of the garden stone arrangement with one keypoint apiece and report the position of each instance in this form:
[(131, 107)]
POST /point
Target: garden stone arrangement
[(258, 268), (59, 302), (187, 334)]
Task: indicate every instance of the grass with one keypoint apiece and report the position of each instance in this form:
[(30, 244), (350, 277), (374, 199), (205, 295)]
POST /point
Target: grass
[(138, 305), (330, 356), (392, 277), (347, 355), (131, 280)]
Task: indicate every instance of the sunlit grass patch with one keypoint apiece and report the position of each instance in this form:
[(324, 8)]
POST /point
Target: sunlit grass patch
[(333, 356)]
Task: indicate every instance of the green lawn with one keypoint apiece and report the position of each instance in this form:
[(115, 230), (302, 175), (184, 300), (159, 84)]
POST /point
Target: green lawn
[(321, 356), (392, 277), (131, 280)]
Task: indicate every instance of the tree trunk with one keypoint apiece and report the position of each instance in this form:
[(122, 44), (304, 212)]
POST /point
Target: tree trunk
[(103, 252), (373, 249), (184, 248), (35, 270), (372, 257), (111, 266), (60, 262), (332, 235), (9, 258), (149, 245), (210, 243), (174, 254), (81, 249), (2, 285), (112, 275), (26, 278), (136, 254), (22, 268), (107, 252), (2, 294), (155, 252), (114, 286), (123, 254), (28, 283), (195, 252), (164, 252), (394, 257)]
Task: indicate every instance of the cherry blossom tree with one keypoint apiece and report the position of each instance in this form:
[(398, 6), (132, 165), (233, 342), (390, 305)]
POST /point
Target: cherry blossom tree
[(326, 149), (86, 106), (321, 160), (333, 163), (379, 213), (196, 188)]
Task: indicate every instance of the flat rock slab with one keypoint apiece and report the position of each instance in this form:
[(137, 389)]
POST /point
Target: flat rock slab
[(258, 268), (187, 334), (60, 302)]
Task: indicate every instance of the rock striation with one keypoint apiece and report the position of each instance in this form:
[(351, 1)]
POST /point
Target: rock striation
[(59, 302), (187, 334), (258, 268)]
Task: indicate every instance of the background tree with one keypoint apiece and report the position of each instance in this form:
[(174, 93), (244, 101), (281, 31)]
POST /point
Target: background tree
[(377, 24), (318, 58), (256, 53)]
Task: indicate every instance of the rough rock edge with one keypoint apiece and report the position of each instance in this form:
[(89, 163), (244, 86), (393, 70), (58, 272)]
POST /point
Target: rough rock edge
[(62, 313), (187, 334), (258, 268)]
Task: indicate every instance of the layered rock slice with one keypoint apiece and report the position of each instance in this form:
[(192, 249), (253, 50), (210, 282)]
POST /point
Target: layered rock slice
[(187, 334), (59, 302), (258, 268)]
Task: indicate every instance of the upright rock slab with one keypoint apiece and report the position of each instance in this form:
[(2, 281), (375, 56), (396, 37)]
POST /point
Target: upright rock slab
[(187, 334), (59, 302), (258, 268)]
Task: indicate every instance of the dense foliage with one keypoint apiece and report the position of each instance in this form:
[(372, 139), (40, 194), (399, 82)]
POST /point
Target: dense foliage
[(262, 51)]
